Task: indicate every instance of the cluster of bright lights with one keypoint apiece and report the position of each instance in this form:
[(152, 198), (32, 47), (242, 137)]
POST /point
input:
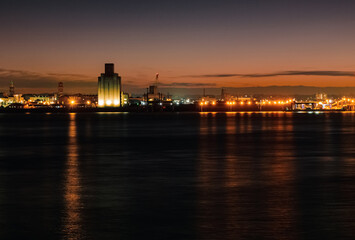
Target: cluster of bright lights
[(235, 103), (231, 103), (278, 102), (109, 102), (340, 101), (44, 103), (348, 100), (327, 101), (206, 103)]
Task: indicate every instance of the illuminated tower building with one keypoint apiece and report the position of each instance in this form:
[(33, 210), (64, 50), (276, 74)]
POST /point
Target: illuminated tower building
[(109, 88), (12, 89), (60, 89)]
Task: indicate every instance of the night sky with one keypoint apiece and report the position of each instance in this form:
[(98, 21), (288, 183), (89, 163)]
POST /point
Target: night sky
[(190, 43)]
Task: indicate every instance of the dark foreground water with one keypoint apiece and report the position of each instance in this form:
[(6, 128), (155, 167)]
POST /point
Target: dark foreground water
[(177, 176)]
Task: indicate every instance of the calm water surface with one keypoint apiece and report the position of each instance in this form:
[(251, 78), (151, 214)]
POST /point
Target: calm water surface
[(177, 176)]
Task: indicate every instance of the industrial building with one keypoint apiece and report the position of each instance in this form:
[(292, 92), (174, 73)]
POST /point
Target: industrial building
[(109, 88)]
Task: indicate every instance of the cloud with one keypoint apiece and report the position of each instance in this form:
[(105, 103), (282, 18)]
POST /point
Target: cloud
[(184, 84), (34, 80), (67, 75), (276, 74)]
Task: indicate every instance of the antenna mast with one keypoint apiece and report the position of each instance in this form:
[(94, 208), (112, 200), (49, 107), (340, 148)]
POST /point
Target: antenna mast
[(156, 79)]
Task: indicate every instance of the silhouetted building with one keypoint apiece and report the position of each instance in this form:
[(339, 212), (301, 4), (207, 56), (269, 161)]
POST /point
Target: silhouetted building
[(109, 88), (60, 89), (153, 89), (223, 96)]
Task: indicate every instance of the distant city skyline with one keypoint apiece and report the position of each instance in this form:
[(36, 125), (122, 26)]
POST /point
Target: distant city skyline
[(199, 44)]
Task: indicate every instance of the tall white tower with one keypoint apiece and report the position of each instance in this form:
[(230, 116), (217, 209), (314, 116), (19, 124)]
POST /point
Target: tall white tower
[(109, 88)]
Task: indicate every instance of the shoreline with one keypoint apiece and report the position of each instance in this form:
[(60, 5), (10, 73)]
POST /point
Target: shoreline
[(148, 110)]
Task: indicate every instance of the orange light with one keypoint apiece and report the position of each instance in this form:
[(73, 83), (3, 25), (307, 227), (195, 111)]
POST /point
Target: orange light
[(213, 103), (72, 102), (201, 103), (249, 103), (241, 103), (234, 103)]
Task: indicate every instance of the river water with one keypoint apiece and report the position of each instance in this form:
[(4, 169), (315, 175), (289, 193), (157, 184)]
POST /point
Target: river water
[(263, 175)]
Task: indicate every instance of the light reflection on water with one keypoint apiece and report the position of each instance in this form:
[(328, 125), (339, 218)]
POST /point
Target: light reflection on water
[(230, 186), (267, 175), (72, 187)]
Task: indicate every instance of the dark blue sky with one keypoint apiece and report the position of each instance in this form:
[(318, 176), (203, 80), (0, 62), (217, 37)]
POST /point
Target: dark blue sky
[(47, 41)]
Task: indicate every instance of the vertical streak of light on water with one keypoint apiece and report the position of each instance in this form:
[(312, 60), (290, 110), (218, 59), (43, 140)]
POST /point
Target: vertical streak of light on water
[(72, 219)]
